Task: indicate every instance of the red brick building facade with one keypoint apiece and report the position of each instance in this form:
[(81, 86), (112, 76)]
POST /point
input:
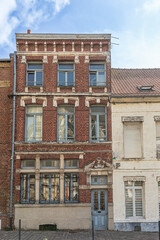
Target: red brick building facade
[(6, 86), (63, 144)]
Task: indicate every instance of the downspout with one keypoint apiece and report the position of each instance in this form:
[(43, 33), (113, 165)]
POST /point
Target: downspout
[(13, 136)]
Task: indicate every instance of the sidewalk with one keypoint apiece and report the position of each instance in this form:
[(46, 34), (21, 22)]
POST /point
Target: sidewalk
[(77, 235)]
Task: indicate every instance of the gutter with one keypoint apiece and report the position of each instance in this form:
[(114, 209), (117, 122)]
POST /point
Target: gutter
[(133, 96), (13, 136)]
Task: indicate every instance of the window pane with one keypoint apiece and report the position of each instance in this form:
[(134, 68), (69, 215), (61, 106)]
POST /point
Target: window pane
[(45, 187), (75, 187), (101, 79), (94, 127), (93, 80), (55, 187), (70, 127), (158, 130), (70, 78), (39, 79), (30, 128), (34, 109), (102, 127), (138, 202), (138, 183), (102, 200), (49, 163), (32, 188), (73, 163), (97, 109), (38, 128), (25, 188), (30, 79), (34, 66), (66, 66), (128, 183), (67, 187), (66, 110), (61, 79), (95, 196), (96, 66), (28, 163), (61, 127), (129, 202)]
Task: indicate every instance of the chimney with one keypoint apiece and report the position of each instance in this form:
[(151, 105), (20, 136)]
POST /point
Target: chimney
[(28, 31)]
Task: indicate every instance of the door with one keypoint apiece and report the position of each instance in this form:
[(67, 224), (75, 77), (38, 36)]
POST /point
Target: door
[(99, 209)]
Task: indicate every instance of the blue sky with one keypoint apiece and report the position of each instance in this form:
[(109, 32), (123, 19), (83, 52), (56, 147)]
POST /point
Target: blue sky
[(135, 22)]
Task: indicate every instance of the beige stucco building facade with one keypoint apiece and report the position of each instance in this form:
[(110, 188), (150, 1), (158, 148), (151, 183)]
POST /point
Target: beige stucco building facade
[(137, 173)]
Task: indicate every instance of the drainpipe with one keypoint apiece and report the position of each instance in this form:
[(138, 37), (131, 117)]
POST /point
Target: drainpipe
[(13, 135)]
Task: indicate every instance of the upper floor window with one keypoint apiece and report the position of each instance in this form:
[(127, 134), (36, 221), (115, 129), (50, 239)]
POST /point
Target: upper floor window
[(65, 74), (27, 188), (34, 74), (99, 180), (132, 139), (26, 163), (33, 124), (66, 124), (97, 74), (134, 198), (98, 124)]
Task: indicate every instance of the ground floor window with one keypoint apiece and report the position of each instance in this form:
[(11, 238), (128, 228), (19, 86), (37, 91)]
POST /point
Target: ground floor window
[(71, 187), (159, 196), (27, 188), (49, 188), (134, 198)]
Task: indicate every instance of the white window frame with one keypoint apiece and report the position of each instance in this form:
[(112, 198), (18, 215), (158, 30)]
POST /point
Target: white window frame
[(66, 71), (133, 187), (97, 71), (34, 71)]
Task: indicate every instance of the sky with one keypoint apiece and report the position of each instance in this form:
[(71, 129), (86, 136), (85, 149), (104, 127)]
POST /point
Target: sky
[(133, 24)]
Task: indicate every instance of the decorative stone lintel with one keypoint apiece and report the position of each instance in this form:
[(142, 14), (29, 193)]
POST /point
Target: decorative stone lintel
[(81, 156), (76, 99), (134, 178), (23, 60), (18, 157), (55, 59), (98, 100), (76, 59), (18, 188), (45, 59), (33, 99), (86, 59), (157, 118), (133, 119)]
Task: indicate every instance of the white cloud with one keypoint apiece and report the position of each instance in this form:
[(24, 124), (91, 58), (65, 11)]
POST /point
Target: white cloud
[(7, 22), (136, 51), (151, 6), (26, 13)]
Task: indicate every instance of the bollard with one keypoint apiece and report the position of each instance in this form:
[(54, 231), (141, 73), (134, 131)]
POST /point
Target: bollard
[(19, 229), (92, 230)]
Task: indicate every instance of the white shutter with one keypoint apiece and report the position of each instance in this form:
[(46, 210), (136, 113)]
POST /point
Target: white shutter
[(132, 140), (129, 202), (159, 196), (138, 202)]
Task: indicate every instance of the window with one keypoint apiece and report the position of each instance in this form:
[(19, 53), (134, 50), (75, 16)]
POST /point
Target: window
[(134, 198), (33, 124), (71, 163), (66, 124), (49, 188), (97, 74), (28, 163), (34, 74), (49, 163), (98, 124), (159, 196), (71, 187), (99, 180), (132, 140), (27, 188), (65, 74)]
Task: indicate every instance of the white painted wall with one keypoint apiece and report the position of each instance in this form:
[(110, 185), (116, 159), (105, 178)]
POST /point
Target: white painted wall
[(148, 166)]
